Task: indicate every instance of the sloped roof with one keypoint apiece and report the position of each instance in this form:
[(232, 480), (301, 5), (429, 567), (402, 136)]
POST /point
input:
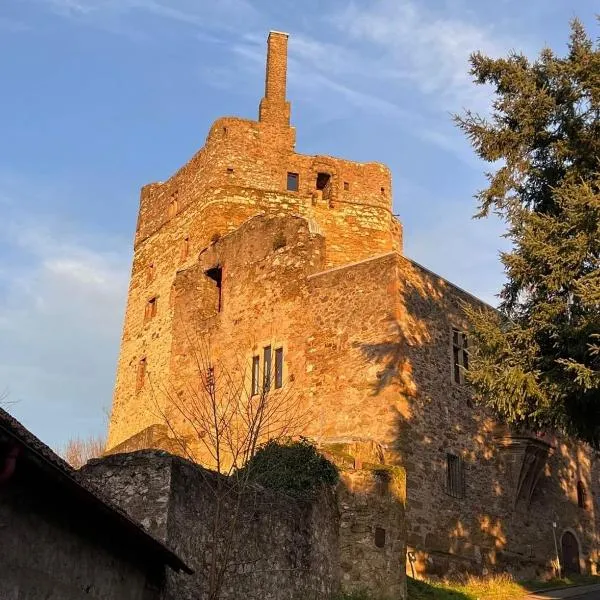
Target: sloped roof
[(35, 451)]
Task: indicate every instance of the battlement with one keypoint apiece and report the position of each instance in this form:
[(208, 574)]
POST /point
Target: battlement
[(243, 161)]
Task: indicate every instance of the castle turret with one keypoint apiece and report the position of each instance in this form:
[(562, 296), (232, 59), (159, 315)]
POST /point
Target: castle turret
[(274, 108)]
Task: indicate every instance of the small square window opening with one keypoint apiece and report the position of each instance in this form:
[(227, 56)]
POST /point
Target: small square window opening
[(292, 182)]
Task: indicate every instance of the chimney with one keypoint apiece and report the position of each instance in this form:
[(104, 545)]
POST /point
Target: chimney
[(274, 108)]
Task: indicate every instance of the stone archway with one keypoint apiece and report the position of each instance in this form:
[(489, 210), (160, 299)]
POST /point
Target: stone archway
[(570, 553)]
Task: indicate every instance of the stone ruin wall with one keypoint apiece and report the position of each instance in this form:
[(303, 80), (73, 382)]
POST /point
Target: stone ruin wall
[(241, 172), (490, 528), (284, 549), (368, 344)]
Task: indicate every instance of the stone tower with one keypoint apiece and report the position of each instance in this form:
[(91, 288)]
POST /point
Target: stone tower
[(293, 265), (246, 168)]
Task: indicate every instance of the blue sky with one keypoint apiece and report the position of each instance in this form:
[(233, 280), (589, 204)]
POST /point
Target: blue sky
[(102, 96)]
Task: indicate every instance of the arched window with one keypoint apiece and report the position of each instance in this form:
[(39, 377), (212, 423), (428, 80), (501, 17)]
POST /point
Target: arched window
[(581, 495)]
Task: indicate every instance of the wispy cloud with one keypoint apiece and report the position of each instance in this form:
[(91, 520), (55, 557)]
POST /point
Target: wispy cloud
[(61, 306), (192, 12), (426, 48)]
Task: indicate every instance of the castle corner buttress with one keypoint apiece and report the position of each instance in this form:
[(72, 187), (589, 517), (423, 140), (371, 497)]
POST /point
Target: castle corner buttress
[(254, 247)]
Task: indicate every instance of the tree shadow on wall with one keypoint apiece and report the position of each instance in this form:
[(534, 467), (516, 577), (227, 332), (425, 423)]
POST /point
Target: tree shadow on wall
[(464, 512)]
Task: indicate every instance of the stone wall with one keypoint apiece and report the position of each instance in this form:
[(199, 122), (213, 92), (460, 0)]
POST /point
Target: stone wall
[(241, 172), (368, 352), (366, 334), (281, 548), (498, 524)]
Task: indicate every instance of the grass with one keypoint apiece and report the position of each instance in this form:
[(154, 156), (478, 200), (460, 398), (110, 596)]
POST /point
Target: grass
[(496, 587)]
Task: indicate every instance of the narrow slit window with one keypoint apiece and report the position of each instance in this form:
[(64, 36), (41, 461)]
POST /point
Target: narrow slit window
[(216, 274), (346, 186), (255, 375), (379, 537), (460, 355), (455, 476), (581, 495), (151, 308), (141, 374), (267, 368), (150, 273), (278, 368), (173, 204), (292, 182), (185, 247)]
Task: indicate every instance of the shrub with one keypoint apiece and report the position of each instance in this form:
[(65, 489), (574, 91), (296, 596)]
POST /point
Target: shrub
[(292, 467)]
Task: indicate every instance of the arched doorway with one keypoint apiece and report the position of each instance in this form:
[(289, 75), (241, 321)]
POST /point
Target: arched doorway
[(570, 553)]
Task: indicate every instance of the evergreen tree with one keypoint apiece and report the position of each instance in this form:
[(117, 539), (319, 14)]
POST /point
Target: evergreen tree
[(537, 362)]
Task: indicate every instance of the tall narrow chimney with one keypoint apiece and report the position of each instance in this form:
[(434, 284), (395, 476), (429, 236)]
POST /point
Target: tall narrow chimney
[(273, 107)]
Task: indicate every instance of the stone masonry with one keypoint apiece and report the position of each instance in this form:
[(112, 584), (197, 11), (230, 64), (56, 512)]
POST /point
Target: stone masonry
[(251, 246), (282, 548)]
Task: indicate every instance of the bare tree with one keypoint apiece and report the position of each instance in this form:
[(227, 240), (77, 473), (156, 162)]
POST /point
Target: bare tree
[(4, 401), (219, 415), (78, 451)]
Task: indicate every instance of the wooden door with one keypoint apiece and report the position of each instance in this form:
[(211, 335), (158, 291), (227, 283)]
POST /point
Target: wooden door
[(570, 553)]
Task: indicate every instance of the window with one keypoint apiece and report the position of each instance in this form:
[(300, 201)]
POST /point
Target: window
[(173, 204), (268, 377), (323, 180), (267, 368), (292, 182), (346, 186), (379, 537), (255, 375), (185, 248), (383, 190), (216, 274), (278, 368), (141, 374), (150, 273), (230, 170), (581, 495), (455, 476), (151, 307), (460, 355)]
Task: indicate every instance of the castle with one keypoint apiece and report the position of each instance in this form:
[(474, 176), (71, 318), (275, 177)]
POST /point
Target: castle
[(295, 262)]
